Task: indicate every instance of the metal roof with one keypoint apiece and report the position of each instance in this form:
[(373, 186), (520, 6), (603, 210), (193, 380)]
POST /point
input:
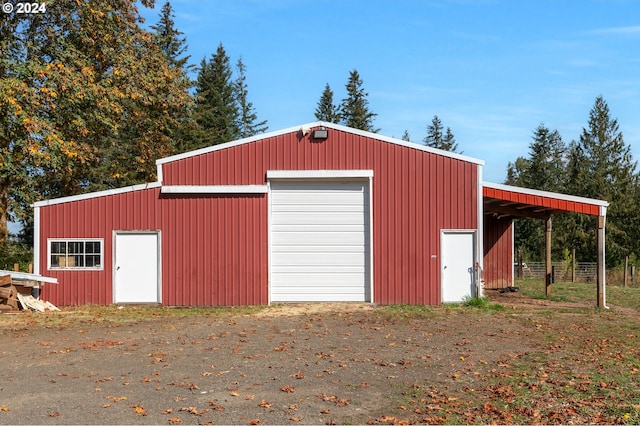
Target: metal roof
[(506, 200)]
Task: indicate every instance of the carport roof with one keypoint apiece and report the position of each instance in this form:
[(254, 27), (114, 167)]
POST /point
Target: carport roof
[(506, 200)]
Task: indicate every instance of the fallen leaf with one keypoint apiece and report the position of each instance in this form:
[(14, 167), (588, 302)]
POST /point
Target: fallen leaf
[(175, 420), (54, 414), (4, 408), (265, 404), (191, 410), (254, 421), (139, 409), (168, 411), (295, 419), (234, 393), (117, 398), (288, 389)]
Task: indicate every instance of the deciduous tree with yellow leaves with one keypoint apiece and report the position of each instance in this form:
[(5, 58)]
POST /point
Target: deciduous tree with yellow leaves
[(88, 101)]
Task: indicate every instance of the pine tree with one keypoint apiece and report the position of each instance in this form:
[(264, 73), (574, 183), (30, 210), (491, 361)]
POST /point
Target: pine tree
[(547, 163), (326, 110), (174, 47), (608, 172), (436, 139), (355, 107), (406, 137), (247, 125), (169, 39), (544, 169), (216, 110)]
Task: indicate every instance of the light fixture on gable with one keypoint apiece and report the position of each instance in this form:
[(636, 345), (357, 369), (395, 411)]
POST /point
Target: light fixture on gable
[(321, 134)]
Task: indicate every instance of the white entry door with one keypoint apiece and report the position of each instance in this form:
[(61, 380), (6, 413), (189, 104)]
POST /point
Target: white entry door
[(457, 262), (136, 268)]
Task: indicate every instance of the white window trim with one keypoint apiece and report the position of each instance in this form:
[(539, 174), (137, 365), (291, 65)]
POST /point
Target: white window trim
[(75, 268)]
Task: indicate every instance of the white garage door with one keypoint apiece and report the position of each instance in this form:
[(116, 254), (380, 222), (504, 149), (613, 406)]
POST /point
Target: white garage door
[(319, 241)]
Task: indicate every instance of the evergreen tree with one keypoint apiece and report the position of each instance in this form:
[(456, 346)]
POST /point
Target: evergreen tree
[(174, 47), (216, 110), (406, 137), (436, 139), (169, 39), (547, 166), (355, 107), (544, 169), (247, 125), (326, 110), (607, 171)]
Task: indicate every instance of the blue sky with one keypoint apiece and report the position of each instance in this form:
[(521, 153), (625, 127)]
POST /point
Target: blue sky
[(491, 70)]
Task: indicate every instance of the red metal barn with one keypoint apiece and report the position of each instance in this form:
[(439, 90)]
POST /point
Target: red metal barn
[(319, 212)]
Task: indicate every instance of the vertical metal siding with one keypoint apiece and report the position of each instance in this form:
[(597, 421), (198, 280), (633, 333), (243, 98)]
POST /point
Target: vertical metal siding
[(214, 248), (204, 243), (498, 264)]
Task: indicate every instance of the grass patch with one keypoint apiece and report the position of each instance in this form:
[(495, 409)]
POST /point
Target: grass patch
[(482, 303), (628, 297)]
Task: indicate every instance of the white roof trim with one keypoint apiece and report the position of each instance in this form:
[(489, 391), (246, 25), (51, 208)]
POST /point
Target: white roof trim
[(547, 194), (28, 277), (96, 194), (305, 174), (214, 189), (307, 127)]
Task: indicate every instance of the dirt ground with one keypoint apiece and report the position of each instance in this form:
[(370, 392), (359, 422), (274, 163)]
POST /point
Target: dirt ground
[(290, 364)]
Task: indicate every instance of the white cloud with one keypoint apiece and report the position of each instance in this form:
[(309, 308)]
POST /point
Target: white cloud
[(630, 30)]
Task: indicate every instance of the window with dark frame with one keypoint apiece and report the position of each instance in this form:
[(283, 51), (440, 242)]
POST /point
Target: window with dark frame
[(75, 254)]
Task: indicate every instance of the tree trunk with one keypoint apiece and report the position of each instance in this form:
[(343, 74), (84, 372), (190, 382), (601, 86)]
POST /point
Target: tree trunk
[(4, 211)]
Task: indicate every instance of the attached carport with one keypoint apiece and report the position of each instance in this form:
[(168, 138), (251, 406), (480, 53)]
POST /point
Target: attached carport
[(505, 203)]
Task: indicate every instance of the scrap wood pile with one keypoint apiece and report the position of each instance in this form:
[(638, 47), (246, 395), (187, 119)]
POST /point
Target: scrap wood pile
[(16, 295)]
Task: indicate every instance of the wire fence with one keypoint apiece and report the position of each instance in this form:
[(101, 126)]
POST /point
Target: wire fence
[(560, 271), (585, 272)]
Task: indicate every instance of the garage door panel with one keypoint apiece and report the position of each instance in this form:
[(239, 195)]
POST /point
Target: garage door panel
[(319, 241), (318, 297), (326, 279), (312, 270), (316, 258), (316, 228), (319, 238), (303, 199), (321, 218)]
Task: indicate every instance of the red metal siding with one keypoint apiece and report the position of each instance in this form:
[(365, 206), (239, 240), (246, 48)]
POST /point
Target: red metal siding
[(498, 249), (416, 194), (214, 248)]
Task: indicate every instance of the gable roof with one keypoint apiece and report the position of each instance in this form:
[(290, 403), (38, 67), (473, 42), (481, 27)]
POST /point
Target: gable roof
[(310, 126), (300, 128)]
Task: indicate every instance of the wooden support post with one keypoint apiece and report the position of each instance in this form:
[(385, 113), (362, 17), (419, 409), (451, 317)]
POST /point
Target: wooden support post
[(573, 265), (16, 267), (600, 275), (519, 269), (547, 287), (626, 270)]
